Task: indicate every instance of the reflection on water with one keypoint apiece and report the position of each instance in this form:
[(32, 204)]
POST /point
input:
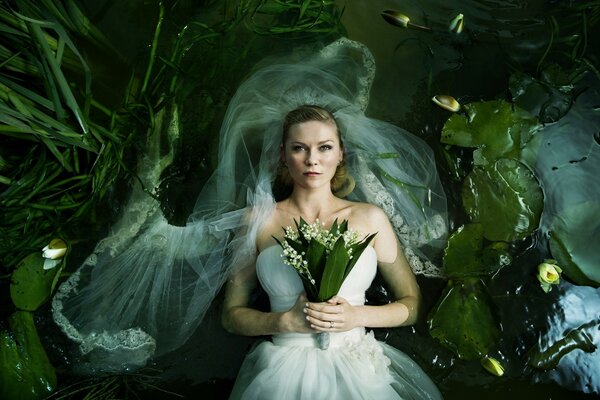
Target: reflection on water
[(499, 37)]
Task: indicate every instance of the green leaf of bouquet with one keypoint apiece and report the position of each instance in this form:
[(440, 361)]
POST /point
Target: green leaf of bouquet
[(25, 371), (575, 240), (316, 255), (505, 198), (335, 268), (464, 319), (494, 128), (31, 285)]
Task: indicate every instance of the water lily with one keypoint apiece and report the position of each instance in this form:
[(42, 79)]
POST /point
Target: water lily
[(457, 24), (492, 365), (548, 274), (446, 102), (398, 19), (53, 253)]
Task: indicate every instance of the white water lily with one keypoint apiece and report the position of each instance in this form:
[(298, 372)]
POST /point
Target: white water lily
[(492, 365), (457, 24), (548, 274), (53, 253)]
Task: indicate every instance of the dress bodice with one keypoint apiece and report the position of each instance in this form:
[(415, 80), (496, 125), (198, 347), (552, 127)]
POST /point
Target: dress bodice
[(283, 285)]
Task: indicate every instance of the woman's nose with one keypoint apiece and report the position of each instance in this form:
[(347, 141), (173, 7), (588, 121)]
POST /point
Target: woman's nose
[(310, 159)]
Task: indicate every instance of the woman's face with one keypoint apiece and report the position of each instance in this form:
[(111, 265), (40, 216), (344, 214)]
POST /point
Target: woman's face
[(312, 152)]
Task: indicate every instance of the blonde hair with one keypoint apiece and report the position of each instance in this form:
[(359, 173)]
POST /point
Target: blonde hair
[(342, 182)]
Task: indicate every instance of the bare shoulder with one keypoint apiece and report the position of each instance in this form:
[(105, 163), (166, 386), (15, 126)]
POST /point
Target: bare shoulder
[(369, 215)]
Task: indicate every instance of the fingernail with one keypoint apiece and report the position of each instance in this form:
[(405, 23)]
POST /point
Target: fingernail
[(307, 318), (305, 310)]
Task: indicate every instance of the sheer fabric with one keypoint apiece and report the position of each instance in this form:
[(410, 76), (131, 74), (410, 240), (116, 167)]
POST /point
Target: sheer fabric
[(147, 286)]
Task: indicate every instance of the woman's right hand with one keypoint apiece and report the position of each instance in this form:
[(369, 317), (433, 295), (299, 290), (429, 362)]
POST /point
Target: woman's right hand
[(294, 320)]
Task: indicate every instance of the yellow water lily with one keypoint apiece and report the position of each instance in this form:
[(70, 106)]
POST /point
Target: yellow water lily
[(457, 24), (446, 102), (492, 365), (53, 253), (548, 274)]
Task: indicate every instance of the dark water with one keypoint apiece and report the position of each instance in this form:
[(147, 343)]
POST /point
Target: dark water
[(500, 37)]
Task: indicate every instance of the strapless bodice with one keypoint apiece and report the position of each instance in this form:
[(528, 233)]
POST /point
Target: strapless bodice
[(283, 285)]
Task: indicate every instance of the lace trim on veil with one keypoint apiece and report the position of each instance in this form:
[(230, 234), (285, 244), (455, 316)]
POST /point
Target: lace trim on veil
[(145, 288)]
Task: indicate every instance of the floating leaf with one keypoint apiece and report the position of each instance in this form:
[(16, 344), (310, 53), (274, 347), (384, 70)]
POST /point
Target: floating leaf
[(31, 285), (575, 339), (464, 319), (465, 254), (549, 97), (25, 371), (505, 198), (575, 240), (495, 128)]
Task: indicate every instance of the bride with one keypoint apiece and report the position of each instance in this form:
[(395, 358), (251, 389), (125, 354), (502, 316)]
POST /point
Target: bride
[(147, 286), (292, 366)]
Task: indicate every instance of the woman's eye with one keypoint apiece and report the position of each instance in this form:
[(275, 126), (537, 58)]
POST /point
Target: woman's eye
[(326, 147), (297, 148)]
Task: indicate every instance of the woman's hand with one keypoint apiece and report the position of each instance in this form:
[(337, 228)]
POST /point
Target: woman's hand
[(294, 320), (334, 315)]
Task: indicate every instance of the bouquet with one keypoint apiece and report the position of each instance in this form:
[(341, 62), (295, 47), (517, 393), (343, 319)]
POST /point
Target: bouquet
[(322, 258)]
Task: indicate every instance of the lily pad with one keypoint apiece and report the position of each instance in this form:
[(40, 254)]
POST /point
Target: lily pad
[(25, 371), (505, 198), (31, 285), (494, 128), (464, 320), (575, 240), (465, 254), (550, 97)]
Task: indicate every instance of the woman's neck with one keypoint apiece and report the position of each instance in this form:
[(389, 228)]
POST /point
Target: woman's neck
[(313, 204)]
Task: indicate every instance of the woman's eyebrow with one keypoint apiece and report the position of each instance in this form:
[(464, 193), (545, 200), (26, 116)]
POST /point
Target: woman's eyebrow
[(321, 142)]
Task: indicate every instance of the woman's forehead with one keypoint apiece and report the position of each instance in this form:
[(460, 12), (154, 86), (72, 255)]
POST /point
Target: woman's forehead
[(313, 131)]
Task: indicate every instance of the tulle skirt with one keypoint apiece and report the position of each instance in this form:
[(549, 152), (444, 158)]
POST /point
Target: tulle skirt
[(355, 366)]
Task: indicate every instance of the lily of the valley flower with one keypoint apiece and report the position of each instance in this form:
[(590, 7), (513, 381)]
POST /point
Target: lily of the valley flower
[(446, 102), (457, 24), (492, 365), (53, 253), (548, 274)]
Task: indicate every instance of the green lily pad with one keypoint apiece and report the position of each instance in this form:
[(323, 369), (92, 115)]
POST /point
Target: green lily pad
[(464, 319), (494, 128), (505, 198), (575, 240), (549, 97), (31, 285), (25, 371), (465, 254)]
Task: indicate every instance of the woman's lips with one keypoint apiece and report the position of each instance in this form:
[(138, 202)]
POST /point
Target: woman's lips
[(312, 173)]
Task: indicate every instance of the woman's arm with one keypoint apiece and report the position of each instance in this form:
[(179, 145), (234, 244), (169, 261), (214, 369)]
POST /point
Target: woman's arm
[(238, 318), (395, 270)]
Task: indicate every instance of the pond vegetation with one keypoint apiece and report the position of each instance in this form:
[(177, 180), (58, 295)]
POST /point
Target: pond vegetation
[(519, 160)]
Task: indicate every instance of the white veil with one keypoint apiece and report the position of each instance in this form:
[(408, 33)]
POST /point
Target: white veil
[(146, 287)]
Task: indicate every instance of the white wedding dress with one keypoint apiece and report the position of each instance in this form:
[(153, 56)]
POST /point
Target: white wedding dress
[(355, 366)]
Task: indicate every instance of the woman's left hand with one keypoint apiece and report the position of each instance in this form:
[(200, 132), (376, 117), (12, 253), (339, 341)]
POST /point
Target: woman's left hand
[(334, 315)]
